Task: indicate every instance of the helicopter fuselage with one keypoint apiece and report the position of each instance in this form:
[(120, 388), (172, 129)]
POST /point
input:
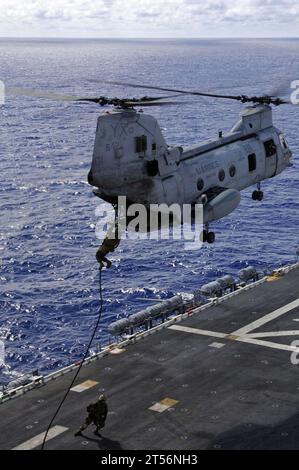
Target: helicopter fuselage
[(131, 158)]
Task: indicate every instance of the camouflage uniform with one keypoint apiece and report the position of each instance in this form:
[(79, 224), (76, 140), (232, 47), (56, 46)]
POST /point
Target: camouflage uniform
[(107, 246), (110, 243), (97, 413)]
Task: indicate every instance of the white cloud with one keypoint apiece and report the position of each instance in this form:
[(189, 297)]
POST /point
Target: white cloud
[(150, 17)]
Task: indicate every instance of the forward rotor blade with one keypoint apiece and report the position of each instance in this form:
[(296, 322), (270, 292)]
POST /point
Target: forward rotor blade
[(157, 98), (101, 100), (153, 103), (41, 94)]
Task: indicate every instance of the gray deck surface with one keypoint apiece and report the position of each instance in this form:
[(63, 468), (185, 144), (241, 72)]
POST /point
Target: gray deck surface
[(236, 396)]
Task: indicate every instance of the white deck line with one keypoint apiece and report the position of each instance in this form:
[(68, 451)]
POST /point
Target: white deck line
[(197, 331), (265, 319), (269, 334), (268, 344), (242, 339), (38, 440)]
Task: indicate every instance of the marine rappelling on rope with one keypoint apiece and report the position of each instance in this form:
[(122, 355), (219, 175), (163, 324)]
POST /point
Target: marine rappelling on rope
[(110, 243)]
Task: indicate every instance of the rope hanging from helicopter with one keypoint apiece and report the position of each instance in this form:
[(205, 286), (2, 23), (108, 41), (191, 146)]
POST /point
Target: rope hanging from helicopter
[(99, 316), (109, 244)]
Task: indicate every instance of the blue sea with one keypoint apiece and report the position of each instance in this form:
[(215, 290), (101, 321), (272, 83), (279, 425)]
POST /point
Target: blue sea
[(49, 289)]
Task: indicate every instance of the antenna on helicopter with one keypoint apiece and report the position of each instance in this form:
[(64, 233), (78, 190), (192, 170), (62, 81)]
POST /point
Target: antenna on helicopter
[(264, 99)]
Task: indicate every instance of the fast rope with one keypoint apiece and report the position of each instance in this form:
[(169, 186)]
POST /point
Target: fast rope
[(82, 360)]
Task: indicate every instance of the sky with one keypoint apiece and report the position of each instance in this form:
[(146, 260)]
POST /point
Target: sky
[(149, 18)]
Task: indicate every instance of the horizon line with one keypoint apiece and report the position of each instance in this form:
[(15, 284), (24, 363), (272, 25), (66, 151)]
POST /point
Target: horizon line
[(149, 38)]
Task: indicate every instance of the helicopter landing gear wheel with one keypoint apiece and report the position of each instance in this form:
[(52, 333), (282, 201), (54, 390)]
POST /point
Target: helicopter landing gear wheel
[(258, 195), (203, 236), (211, 238), (207, 236)]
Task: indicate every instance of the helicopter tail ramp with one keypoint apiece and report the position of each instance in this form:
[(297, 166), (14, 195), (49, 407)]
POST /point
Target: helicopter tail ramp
[(126, 143), (221, 375)]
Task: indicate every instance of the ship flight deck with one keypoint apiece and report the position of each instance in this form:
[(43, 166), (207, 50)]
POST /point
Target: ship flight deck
[(223, 376)]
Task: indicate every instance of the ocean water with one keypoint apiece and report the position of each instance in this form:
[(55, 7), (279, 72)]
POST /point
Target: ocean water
[(49, 291)]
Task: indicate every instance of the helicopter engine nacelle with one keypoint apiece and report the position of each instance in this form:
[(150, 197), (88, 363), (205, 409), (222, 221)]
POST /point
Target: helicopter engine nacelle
[(127, 151), (221, 205)]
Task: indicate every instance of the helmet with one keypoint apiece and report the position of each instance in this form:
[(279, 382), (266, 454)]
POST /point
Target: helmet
[(102, 397)]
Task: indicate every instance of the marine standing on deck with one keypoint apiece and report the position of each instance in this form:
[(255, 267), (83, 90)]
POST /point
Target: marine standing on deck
[(97, 413)]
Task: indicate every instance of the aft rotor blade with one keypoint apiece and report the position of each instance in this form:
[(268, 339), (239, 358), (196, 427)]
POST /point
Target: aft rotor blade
[(171, 90), (242, 98), (282, 89)]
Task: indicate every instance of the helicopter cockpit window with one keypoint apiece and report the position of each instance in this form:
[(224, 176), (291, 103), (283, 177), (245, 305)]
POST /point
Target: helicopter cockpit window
[(270, 148), (140, 144), (252, 162)]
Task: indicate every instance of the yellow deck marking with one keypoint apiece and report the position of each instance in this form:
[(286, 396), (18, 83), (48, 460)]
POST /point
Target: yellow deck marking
[(117, 350), (163, 405), (84, 386), (169, 402), (274, 277)]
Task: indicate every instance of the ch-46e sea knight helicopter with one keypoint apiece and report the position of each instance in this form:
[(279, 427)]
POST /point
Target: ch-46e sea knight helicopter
[(131, 157)]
